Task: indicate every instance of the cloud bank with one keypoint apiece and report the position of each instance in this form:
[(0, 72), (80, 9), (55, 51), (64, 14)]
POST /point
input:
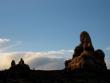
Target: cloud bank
[(4, 43), (50, 60)]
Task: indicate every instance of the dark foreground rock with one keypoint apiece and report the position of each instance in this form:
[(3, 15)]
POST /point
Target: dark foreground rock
[(56, 76)]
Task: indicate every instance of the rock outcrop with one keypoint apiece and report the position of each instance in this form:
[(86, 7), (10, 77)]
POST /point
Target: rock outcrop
[(21, 66), (85, 57)]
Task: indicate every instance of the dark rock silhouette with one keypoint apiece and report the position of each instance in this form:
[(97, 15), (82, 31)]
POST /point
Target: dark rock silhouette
[(21, 66), (13, 64), (21, 62), (86, 66), (85, 57)]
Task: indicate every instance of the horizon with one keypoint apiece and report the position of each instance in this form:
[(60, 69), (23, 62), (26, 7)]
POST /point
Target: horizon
[(45, 32)]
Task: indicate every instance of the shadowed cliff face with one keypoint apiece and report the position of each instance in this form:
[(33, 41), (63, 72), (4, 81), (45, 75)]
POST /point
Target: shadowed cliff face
[(86, 66)]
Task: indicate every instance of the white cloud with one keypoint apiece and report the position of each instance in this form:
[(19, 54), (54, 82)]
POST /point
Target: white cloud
[(107, 56), (39, 60), (10, 45), (4, 42), (107, 63), (48, 60), (107, 49)]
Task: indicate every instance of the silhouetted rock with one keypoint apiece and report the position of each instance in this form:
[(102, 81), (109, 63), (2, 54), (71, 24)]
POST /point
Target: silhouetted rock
[(86, 61), (21, 62), (85, 57), (21, 66), (13, 64)]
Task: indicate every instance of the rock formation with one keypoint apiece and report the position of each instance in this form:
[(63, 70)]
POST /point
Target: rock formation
[(13, 64), (21, 66), (85, 57), (21, 62)]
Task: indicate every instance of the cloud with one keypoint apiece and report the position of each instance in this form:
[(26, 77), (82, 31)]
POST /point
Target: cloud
[(50, 60), (45, 63), (10, 46), (107, 49), (107, 56), (4, 42), (108, 63)]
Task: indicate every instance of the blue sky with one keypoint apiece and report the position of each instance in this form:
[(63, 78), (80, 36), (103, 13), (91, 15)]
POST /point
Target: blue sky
[(43, 25)]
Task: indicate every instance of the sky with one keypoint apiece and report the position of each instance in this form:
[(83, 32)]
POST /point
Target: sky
[(45, 32)]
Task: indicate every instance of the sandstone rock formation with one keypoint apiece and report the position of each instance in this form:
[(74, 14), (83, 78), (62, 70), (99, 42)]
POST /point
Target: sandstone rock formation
[(85, 57)]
